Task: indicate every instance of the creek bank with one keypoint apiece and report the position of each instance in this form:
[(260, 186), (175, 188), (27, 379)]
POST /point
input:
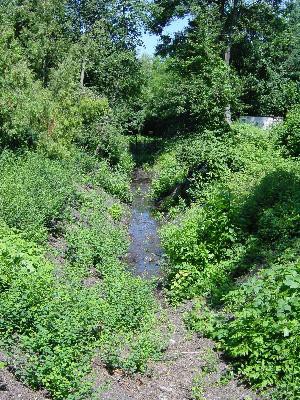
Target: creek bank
[(190, 368)]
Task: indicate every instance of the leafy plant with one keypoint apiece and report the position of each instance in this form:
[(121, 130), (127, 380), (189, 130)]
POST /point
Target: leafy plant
[(34, 192), (237, 248), (289, 132)]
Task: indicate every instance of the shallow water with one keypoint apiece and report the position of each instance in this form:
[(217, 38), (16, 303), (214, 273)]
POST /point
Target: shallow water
[(145, 250)]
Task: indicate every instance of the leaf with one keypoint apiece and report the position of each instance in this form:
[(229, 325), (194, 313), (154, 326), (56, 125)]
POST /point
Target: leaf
[(291, 283), (286, 332)]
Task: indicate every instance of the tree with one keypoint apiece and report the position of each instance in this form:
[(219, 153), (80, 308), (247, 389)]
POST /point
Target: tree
[(191, 86), (255, 40), (42, 30)]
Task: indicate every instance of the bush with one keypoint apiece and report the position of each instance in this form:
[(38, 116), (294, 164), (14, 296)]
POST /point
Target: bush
[(114, 180), (289, 132), (93, 236), (24, 104), (49, 327), (167, 174), (263, 335), (189, 89), (114, 147), (36, 192), (51, 324), (199, 249), (271, 209), (96, 241), (238, 247)]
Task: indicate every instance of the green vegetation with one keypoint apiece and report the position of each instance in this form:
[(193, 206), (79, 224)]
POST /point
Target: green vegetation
[(70, 86), (233, 57), (233, 241), (52, 321), (75, 99), (289, 132)]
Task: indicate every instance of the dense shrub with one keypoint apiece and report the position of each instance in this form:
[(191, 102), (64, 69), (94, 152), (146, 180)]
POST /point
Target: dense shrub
[(200, 248), (289, 132), (190, 88), (242, 227), (252, 190), (51, 321), (24, 104), (259, 325), (263, 334), (65, 169), (35, 191), (49, 327), (113, 180), (271, 209), (167, 174), (96, 241), (93, 236)]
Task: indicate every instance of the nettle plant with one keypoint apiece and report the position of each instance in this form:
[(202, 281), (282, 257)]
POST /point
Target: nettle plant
[(198, 248), (263, 336)]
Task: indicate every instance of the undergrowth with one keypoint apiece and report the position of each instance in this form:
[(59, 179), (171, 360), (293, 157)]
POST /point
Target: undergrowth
[(52, 321), (232, 241)]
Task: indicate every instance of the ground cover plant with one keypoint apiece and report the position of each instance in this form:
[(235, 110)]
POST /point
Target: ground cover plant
[(233, 241), (34, 192), (52, 322)]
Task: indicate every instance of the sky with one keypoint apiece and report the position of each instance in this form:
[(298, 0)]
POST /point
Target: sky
[(150, 41)]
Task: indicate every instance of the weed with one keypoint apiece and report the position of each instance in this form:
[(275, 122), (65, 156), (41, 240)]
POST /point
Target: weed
[(198, 386), (237, 247)]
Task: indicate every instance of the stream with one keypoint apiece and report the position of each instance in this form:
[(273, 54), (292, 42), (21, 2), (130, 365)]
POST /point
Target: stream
[(145, 250), (172, 377)]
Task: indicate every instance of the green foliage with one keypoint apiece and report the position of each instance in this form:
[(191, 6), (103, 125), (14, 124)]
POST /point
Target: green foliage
[(268, 65), (272, 209), (199, 248), (42, 31), (115, 148), (261, 42), (97, 240), (92, 236), (289, 132), (116, 211), (167, 174), (113, 180), (23, 102), (191, 88), (52, 320), (92, 109), (201, 319), (70, 87), (54, 325), (251, 191), (34, 192), (43, 101), (263, 335), (238, 246)]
